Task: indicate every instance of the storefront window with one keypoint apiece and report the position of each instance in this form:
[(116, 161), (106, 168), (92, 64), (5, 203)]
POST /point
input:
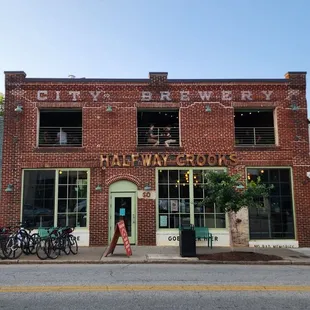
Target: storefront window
[(39, 198), (276, 219), (42, 199), (205, 216), (175, 191)]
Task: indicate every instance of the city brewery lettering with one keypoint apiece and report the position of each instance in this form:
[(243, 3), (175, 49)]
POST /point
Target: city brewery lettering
[(164, 160), (99, 95)]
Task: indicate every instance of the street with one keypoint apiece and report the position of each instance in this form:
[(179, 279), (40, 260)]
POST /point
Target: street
[(158, 286)]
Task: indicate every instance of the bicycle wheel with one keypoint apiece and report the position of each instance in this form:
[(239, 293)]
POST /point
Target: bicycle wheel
[(74, 248), (66, 244), (51, 247), (40, 250), (35, 239), (13, 248), (3, 240)]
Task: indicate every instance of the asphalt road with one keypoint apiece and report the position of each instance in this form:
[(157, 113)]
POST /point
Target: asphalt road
[(154, 287)]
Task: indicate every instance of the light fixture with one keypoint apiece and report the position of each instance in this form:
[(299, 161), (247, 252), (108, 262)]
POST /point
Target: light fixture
[(147, 187), (294, 107), (19, 109), (98, 188), (208, 108), (109, 108), (9, 188), (240, 186)]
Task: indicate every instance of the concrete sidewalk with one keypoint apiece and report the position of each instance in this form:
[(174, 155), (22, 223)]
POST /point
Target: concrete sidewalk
[(159, 254)]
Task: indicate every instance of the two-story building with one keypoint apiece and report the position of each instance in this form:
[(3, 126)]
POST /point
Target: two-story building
[(89, 152)]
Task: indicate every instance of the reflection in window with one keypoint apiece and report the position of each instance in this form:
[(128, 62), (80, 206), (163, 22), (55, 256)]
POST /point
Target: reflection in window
[(205, 216), (39, 195), (72, 198), (174, 207), (39, 198), (276, 219)]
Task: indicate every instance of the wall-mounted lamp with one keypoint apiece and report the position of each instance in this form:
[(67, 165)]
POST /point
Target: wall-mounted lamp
[(294, 107), (9, 188), (240, 186), (98, 188), (147, 187), (19, 109), (109, 109), (308, 174), (208, 108)]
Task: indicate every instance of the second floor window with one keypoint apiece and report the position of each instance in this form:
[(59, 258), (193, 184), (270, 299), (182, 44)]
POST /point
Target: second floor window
[(60, 128), (254, 127), (158, 128)]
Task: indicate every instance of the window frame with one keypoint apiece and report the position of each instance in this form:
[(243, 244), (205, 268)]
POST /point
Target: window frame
[(292, 196), (272, 110), (54, 110), (191, 195), (158, 109), (56, 170)]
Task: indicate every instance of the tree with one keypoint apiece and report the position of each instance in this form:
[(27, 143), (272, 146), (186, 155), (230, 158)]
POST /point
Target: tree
[(229, 195), (1, 104)]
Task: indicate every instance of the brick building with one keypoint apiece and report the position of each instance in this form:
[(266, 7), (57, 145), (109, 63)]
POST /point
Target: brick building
[(88, 152)]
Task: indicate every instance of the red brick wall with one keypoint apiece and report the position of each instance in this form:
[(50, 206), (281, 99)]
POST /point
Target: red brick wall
[(115, 132)]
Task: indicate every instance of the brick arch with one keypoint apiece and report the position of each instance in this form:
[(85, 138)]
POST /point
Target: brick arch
[(127, 177)]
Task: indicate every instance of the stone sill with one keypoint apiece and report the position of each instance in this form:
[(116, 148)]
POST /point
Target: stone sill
[(58, 149)]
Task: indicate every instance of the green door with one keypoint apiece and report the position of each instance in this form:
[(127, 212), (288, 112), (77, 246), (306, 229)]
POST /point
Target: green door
[(123, 207)]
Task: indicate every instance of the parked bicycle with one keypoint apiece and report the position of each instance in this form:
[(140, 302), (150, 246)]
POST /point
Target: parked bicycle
[(55, 240)]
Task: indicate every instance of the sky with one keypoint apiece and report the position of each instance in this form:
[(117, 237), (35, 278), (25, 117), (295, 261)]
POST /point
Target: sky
[(130, 38)]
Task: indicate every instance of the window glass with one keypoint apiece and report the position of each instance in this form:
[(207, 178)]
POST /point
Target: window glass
[(38, 198), (174, 207), (39, 195), (276, 219)]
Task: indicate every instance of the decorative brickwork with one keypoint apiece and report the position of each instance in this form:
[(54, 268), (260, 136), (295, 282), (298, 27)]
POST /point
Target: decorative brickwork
[(115, 133)]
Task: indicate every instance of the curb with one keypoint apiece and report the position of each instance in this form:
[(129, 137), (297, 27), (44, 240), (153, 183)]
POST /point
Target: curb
[(131, 262)]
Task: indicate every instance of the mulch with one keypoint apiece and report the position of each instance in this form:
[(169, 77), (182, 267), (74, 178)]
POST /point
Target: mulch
[(238, 256)]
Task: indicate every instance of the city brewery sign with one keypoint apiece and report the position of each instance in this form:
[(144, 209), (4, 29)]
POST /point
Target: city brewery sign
[(99, 95), (164, 160)]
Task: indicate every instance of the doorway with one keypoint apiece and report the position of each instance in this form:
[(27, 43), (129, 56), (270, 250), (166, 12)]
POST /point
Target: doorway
[(123, 207)]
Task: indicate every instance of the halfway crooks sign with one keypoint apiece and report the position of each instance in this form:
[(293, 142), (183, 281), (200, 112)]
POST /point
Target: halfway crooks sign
[(164, 160)]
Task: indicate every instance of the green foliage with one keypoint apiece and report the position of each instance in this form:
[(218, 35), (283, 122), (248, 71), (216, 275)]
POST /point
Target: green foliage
[(1, 104), (223, 190)]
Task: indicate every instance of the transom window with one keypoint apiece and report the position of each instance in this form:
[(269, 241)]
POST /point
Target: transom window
[(60, 128), (176, 189)]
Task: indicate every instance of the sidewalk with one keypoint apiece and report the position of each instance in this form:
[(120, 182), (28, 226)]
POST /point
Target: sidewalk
[(167, 255)]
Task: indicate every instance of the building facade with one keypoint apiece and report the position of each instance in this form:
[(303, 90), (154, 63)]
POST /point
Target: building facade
[(89, 152)]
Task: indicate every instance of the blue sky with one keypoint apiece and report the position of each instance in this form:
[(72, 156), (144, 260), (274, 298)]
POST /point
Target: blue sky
[(130, 38)]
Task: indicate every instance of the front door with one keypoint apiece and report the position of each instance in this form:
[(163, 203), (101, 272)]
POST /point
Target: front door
[(123, 207)]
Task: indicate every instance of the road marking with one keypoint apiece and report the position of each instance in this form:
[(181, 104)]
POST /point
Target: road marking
[(129, 288)]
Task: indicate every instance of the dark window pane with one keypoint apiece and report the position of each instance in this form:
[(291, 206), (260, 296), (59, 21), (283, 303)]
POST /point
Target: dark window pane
[(72, 191), (274, 175), (163, 206), (80, 206), (173, 176), (285, 189), (197, 207), (72, 177), (62, 177), (173, 191), (163, 177), (199, 220), (62, 205), (81, 220), (184, 206), (163, 191), (38, 197), (285, 175), (62, 191), (197, 176), (184, 190), (174, 221), (198, 191), (82, 175), (82, 191)]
